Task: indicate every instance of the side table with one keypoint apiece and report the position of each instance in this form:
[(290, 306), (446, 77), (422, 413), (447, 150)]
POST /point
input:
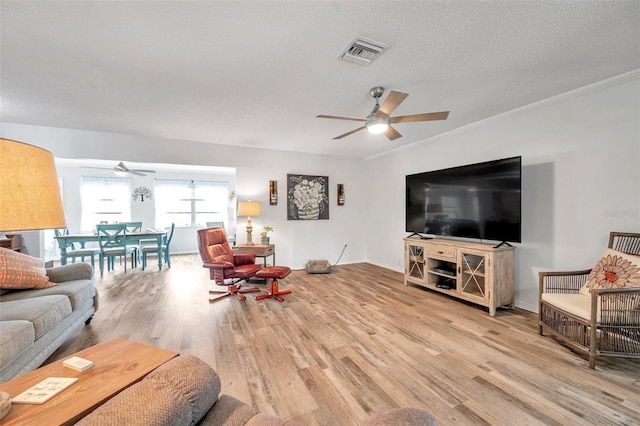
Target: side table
[(259, 250)]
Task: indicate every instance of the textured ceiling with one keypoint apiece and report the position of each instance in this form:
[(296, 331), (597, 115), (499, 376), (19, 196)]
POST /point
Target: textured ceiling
[(257, 73)]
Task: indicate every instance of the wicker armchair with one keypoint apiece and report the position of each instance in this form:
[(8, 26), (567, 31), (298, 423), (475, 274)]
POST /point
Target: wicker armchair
[(605, 322)]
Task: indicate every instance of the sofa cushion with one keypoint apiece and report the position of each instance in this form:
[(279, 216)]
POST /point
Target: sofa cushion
[(192, 379), (19, 271), (15, 338), (229, 410), (615, 269), (78, 292), (44, 311), (179, 392), (70, 272)]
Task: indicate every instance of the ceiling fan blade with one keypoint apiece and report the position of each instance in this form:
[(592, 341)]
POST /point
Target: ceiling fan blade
[(142, 170), (98, 168), (429, 116), (392, 133), (339, 117), (137, 172), (393, 100), (349, 133)]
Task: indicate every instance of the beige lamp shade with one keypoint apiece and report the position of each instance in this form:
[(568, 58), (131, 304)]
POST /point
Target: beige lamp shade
[(29, 195), (249, 208)]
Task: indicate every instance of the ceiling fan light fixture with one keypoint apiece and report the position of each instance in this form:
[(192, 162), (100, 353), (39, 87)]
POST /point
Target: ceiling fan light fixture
[(377, 125), (120, 169)]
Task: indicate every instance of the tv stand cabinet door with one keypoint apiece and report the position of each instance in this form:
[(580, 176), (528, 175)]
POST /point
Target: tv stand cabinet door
[(414, 263), (474, 276), (486, 277)]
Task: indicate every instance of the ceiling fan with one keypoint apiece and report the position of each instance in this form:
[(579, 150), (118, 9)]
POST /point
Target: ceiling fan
[(380, 120), (120, 168)]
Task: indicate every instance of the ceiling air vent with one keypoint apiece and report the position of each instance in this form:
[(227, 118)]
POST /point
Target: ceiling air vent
[(362, 51)]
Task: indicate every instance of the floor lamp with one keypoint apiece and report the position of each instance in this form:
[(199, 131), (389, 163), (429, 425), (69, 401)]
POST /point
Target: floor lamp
[(30, 196), (249, 209)]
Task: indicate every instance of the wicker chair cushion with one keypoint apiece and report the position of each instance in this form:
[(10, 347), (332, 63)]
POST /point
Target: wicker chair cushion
[(578, 305), (615, 269)]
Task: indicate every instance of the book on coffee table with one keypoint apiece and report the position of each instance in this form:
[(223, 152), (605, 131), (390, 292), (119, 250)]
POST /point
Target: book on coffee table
[(44, 391)]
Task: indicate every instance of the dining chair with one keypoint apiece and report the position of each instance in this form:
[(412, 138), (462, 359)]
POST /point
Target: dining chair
[(74, 253), (134, 227), (113, 243), (153, 249), (65, 231), (220, 224)]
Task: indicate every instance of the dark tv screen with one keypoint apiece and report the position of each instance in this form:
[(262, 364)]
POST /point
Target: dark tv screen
[(480, 200)]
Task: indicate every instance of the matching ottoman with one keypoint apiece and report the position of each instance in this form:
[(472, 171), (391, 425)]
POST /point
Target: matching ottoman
[(274, 273)]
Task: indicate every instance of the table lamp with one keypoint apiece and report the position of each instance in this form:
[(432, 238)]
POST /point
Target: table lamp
[(30, 195), (249, 209)]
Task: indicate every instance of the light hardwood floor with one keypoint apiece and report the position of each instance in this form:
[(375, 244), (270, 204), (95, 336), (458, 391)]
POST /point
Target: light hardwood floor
[(356, 341)]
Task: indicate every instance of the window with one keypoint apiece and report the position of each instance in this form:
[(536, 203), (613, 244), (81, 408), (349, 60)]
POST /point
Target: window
[(50, 244), (105, 199), (190, 203)]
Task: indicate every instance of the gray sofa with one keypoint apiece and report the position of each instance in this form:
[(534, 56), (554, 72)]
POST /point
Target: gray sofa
[(186, 391), (34, 323)]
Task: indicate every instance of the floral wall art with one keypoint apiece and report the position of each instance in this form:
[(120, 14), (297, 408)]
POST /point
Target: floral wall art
[(307, 197)]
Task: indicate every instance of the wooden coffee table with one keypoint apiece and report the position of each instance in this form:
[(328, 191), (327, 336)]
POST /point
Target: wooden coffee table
[(118, 363)]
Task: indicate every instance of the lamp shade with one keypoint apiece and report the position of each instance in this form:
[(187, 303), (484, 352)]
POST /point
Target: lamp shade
[(249, 208), (30, 194)]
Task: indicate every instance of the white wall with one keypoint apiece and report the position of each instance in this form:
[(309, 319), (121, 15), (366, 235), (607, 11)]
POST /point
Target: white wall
[(581, 180), (296, 241)]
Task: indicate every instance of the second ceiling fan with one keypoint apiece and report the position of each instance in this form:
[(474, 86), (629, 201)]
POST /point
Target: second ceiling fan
[(380, 120), (120, 168)]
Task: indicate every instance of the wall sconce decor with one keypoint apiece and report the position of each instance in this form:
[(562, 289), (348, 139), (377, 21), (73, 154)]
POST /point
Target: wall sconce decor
[(340, 194), (273, 192), (141, 192)]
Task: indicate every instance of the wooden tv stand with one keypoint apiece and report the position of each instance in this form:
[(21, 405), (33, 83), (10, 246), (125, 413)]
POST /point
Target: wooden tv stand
[(479, 273)]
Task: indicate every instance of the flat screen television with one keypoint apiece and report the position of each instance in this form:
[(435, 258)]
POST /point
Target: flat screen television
[(480, 200)]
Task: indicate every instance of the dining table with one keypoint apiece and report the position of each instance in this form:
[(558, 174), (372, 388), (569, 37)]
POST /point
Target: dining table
[(133, 238)]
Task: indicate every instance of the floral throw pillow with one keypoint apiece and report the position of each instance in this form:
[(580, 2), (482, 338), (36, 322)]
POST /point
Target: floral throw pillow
[(614, 270), (20, 272)]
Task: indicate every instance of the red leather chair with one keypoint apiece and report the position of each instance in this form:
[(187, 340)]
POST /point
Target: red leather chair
[(225, 267)]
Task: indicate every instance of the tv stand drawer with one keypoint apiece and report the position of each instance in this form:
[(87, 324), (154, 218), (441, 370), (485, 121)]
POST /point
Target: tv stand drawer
[(442, 252)]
